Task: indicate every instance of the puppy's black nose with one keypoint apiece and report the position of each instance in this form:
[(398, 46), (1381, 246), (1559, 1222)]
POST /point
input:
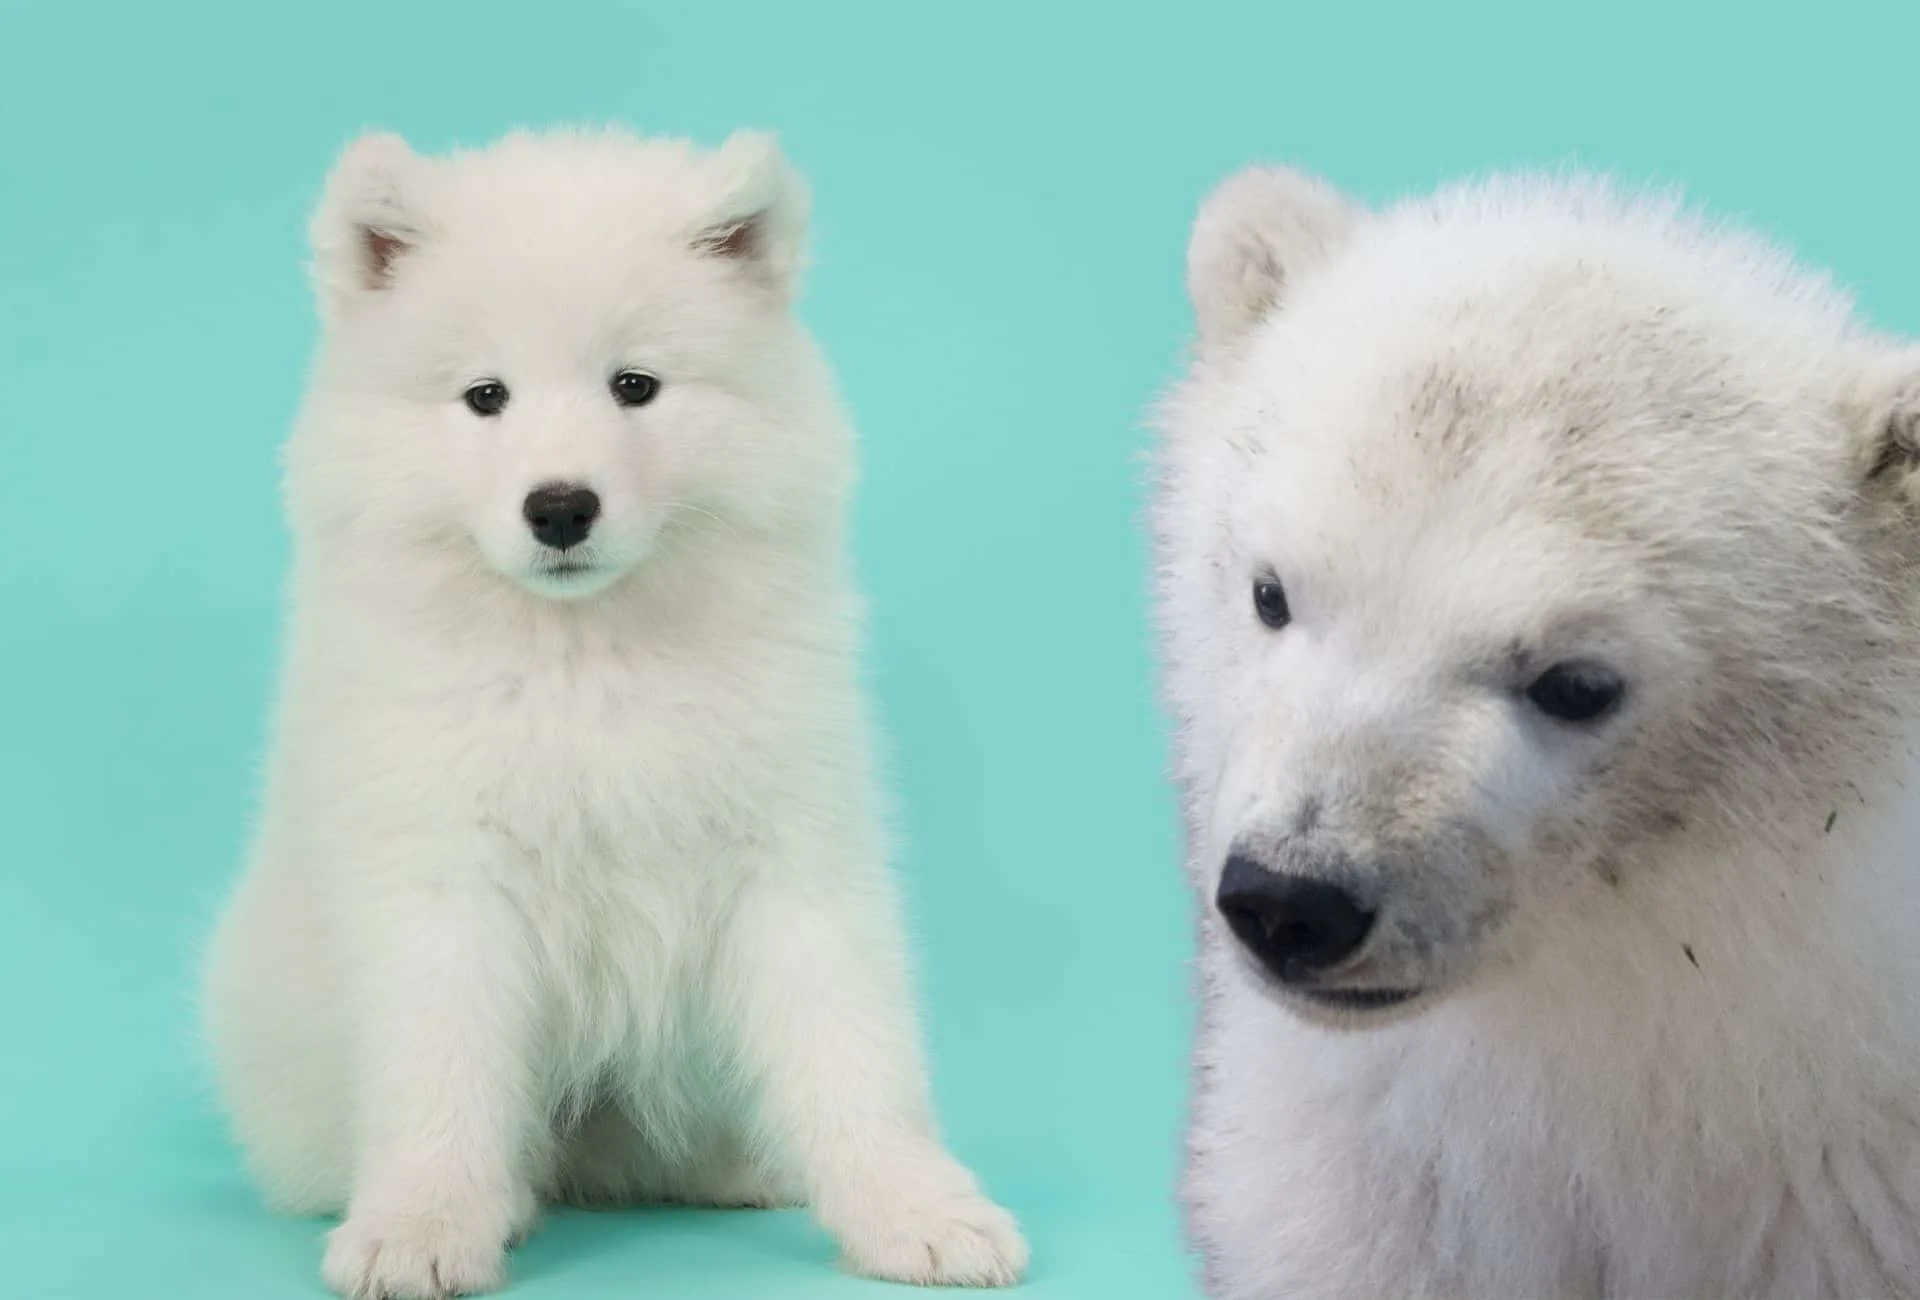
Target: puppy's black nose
[(561, 514), (1297, 926)]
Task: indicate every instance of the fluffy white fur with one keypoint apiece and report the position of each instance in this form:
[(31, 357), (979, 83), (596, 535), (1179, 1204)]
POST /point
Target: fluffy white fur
[(570, 884), (1666, 1037)]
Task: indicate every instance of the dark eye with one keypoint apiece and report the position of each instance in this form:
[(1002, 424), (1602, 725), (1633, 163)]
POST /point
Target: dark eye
[(486, 397), (1270, 602), (1577, 692), (634, 387)]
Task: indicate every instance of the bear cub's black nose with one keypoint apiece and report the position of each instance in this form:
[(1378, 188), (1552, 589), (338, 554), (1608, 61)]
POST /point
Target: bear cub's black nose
[(1297, 926)]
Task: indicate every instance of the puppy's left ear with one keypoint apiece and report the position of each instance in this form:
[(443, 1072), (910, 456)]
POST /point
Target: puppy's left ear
[(1883, 416), (759, 219)]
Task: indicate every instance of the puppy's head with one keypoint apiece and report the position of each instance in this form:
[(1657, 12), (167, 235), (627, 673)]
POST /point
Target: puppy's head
[(548, 355)]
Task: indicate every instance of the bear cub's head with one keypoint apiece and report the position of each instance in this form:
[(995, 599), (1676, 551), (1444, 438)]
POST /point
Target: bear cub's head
[(1515, 541)]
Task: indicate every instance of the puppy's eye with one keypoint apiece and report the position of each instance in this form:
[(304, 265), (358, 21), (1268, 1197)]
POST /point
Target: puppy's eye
[(1577, 692), (1270, 603), (634, 387), (486, 397)]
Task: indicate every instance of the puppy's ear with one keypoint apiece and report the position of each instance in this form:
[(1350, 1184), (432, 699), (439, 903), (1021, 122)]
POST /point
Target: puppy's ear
[(758, 218), (368, 219), (1882, 411), (1254, 235)]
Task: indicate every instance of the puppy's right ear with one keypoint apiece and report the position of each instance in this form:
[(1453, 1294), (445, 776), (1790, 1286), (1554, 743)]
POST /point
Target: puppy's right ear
[(1254, 234), (758, 221), (368, 218)]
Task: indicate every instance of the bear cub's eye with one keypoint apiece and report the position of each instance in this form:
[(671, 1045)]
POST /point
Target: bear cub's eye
[(1577, 692), (634, 387), (485, 397), (1270, 602)]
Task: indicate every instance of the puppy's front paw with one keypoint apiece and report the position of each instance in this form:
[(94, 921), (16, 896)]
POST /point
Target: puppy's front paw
[(413, 1257), (931, 1231)]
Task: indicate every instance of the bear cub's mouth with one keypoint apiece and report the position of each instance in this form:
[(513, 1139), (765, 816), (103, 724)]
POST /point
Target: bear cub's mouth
[(1354, 999)]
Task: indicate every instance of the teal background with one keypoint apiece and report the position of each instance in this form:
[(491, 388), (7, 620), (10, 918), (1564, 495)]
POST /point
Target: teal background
[(1003, 192)]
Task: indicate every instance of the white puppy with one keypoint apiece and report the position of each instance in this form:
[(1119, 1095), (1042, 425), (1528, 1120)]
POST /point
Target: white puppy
[(1541, 584), (569, 883)]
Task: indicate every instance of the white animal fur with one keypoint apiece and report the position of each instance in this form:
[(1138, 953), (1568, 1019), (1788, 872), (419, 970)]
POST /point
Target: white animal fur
[(571, 886), (1669, 1047)]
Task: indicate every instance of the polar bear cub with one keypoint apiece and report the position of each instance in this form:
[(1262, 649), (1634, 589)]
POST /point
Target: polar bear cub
[(1540, 581), (569, 884)]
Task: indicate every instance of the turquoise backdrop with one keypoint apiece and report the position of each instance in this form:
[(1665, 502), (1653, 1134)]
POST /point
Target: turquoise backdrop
[(1003, 189)]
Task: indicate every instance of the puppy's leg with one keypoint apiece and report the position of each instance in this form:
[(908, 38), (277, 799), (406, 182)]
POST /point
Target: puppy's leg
[(443, 1112), (827, 1034), (275, 1018)]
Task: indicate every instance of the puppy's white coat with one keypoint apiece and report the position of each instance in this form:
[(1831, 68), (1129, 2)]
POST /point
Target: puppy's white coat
[(1663, 1038), (569, 883)]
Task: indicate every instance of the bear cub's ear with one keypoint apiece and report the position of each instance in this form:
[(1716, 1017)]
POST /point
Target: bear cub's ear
[(1883, 416), (368, 219), (1253, 235), (758, 217)]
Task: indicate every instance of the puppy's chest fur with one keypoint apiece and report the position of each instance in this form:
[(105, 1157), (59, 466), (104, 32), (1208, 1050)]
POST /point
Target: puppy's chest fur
[(627, 808), (612, 761), (619, 792)]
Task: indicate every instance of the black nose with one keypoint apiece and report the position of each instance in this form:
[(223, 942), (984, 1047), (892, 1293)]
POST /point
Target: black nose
[(1297, 926), (560, 514)]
